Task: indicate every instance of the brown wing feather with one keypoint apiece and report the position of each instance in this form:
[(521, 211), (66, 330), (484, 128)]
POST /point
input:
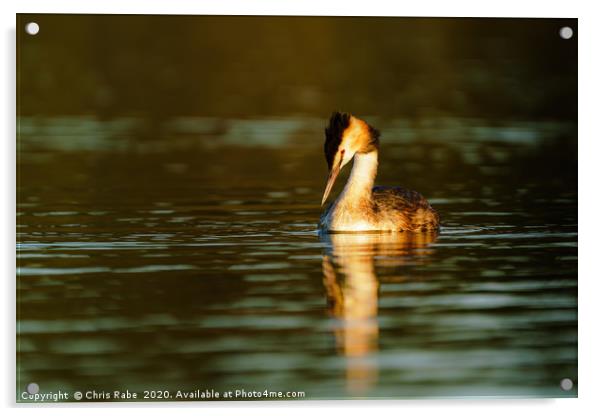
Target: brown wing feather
[(410, 208)]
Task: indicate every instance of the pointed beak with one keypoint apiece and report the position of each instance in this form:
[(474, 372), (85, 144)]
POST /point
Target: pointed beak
[(334, 172)]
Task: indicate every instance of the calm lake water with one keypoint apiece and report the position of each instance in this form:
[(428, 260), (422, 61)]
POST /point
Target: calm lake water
[(185, 256)]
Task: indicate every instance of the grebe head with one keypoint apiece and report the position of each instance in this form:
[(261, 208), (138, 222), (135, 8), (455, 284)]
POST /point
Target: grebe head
[(346, 135)]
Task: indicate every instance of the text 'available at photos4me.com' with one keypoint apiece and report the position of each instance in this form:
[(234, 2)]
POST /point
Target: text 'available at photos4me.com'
[(158, 395)]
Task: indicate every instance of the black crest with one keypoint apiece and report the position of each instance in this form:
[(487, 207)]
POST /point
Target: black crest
[(334, 133)]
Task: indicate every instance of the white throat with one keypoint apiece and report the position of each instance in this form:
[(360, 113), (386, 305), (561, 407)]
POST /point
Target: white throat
[(361, 179)]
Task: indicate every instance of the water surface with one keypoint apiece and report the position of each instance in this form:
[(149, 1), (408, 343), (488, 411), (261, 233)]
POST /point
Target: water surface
[(188, 258)]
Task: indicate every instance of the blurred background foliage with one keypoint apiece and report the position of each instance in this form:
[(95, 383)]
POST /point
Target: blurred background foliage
[(252, 66)]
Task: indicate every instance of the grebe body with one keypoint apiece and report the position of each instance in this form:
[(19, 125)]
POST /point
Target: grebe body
[(361, 207)]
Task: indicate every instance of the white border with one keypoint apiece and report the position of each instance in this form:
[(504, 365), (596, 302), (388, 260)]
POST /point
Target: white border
[(590, 138), (457, 8)]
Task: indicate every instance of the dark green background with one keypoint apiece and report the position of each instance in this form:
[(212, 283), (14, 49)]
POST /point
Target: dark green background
[(160, 66)]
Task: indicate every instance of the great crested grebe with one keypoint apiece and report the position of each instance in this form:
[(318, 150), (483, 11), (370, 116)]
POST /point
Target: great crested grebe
[(360, 207)]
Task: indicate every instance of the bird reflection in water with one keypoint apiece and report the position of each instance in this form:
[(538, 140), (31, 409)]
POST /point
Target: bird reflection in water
[(349, 268)]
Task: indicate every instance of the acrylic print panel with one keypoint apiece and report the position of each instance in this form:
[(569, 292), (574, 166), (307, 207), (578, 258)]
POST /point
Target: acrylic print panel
[(171, 171)]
